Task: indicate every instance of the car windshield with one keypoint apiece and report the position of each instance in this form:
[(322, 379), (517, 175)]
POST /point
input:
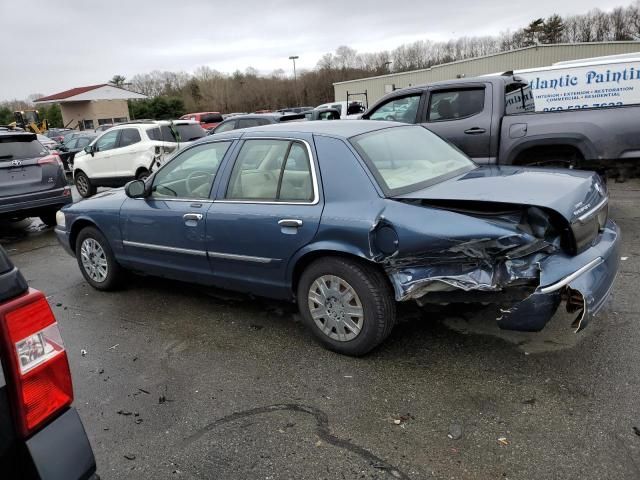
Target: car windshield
[(189, 131), (405, 159), (12, 148)]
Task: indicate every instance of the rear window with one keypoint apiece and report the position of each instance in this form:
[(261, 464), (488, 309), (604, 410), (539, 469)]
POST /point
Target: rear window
[(188, 132), (211, 118), (16, 148), (406, 159)]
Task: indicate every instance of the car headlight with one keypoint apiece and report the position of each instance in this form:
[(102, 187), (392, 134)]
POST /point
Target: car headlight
[(60, 220)]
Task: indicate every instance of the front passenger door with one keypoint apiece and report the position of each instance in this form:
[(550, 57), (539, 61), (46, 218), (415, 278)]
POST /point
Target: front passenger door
[(165, 233)]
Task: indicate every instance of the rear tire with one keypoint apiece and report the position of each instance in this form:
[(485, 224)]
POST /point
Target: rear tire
[(96, 260), (83, 185), (348, 305)]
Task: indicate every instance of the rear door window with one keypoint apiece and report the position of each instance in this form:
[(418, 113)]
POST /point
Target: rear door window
[(129, 136), (271, 170), (455, 104)]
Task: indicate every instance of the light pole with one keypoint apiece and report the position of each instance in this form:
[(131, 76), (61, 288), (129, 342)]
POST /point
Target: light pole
[(295, 78)]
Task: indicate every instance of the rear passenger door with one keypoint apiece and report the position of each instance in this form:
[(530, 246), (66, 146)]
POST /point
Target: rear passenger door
[(128, 152), (268, 206), (463, 117)]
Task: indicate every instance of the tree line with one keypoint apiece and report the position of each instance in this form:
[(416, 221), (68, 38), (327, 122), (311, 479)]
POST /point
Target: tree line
[(206, 89)]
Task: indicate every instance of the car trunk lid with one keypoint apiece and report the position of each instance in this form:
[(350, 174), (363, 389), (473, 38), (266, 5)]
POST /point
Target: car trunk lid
[(570, 193)]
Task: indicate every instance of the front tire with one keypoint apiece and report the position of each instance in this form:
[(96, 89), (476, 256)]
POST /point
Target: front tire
[(143, 174), (96, 260), (83, 185), (348, 305), (49, 219)]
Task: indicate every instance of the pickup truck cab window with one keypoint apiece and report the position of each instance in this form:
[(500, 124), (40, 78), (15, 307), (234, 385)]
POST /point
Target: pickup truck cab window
[(403, 109), (271, 170), (190, 175), (455, 104)]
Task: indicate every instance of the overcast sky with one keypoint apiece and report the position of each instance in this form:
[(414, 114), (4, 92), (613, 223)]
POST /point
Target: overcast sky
[(49, 46)]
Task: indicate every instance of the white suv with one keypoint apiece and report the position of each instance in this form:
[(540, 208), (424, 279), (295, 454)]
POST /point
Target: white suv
[(130, 150)]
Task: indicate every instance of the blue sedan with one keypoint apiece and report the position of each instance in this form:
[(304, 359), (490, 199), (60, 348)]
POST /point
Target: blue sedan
[(348, 218)]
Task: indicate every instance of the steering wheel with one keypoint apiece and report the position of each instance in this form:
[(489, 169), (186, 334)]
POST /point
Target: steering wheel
[(193, 175), (390, 117)]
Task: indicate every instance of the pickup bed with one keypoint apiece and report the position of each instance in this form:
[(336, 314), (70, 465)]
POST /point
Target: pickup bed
[(41, 435), (493, 120)]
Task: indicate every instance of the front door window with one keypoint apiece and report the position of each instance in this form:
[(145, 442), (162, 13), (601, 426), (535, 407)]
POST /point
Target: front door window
[(190, 174)]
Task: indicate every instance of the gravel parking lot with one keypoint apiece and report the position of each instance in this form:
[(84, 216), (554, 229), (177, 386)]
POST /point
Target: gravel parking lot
[(177, 381)]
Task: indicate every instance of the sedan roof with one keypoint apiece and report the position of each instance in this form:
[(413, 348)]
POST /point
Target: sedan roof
[(333, 128)]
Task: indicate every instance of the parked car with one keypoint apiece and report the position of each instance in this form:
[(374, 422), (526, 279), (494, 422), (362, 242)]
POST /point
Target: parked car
[(239, 122), (493, 120), (130, 150), (57, 134), (67, 151), (32, 180), (322, 114), (103, 128), (41, 434), (295, 109), (46, 141), (397, 215), (347, 110), (207, 120)]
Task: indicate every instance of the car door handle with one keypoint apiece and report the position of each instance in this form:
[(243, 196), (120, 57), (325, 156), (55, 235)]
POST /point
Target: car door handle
[(290, 222), (475, 131), (192, 216)]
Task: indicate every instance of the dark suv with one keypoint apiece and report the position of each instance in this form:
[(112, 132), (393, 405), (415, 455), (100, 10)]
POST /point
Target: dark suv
[(41, 434), (32, 180)]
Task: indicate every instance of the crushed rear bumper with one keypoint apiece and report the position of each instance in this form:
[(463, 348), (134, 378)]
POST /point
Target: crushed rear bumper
[(584, 282)]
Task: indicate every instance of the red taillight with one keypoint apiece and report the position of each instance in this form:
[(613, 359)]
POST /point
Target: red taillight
[(50, 159), (39, 366)]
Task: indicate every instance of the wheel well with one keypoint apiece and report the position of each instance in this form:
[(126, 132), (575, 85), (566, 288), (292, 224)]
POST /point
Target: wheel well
[(548, 152), (75, 230), (140, 170), (310, 257)]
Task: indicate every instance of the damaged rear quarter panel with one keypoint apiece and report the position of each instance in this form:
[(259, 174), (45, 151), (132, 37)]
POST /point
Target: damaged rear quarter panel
[(445, 250)]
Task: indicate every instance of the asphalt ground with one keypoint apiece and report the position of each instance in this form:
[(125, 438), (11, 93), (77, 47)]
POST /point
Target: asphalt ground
[(178, 381)]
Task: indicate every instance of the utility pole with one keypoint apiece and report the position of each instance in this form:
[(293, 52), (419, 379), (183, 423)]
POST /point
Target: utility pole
[(295, 78)]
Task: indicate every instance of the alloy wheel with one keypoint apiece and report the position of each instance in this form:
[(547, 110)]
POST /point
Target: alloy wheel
[(335, 308), (94, 260)]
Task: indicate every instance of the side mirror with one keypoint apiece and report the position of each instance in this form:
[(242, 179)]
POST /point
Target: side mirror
[(89, 149), (135, 189)]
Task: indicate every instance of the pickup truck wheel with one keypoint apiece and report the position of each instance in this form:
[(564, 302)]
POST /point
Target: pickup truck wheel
[(83, 185), (348, 305), (143, 174), (96, 260)]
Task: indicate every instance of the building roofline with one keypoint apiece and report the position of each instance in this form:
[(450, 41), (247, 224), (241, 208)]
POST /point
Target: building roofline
[(66, 96), (440, 65)]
